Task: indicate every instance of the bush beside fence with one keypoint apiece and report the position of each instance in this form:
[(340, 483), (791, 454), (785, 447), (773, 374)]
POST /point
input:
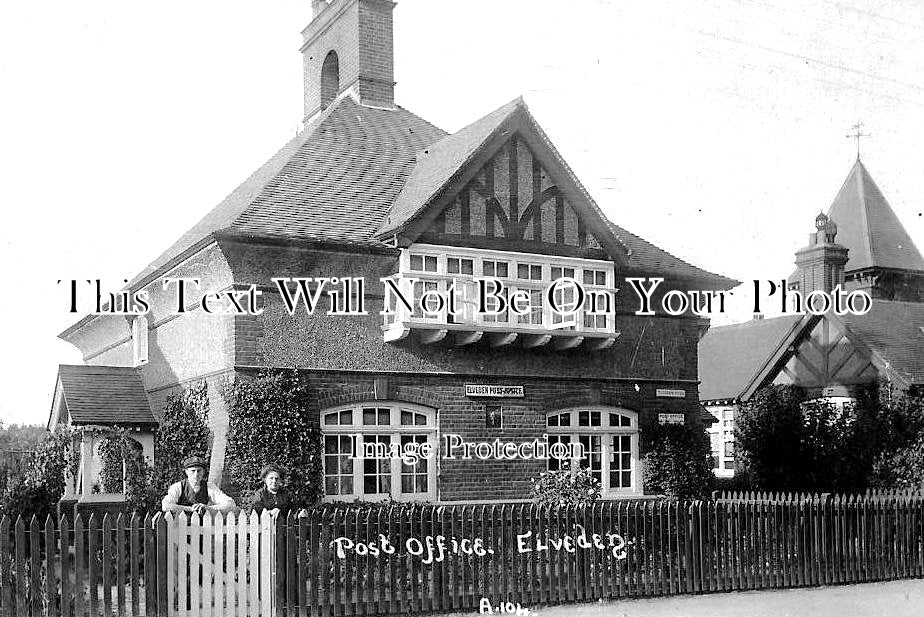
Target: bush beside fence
[(414, 559)]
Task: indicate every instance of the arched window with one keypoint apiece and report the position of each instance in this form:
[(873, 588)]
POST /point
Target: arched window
[(377, 450), (330, 79), (608, 438)]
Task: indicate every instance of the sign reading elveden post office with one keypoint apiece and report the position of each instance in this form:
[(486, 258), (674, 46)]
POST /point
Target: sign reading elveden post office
[(493, 391)]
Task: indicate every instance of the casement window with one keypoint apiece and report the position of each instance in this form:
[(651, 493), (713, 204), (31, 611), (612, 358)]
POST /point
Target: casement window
[(608, 437), (439, 269), (140, 340), (359, 441)]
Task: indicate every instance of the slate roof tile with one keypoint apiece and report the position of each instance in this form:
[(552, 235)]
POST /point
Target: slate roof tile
[(105, 395)]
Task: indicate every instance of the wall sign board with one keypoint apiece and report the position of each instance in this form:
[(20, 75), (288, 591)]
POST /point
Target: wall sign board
[(668, 393), (493, 391), (670, 418)]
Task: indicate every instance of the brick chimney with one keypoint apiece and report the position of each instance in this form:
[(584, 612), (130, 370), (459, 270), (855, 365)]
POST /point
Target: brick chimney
[(821, 263), (349, 47)]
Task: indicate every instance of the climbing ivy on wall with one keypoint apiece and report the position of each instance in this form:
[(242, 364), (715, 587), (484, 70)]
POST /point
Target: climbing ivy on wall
[(270, 422)]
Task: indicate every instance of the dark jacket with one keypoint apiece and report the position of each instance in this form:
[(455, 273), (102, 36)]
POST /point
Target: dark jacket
[(265, 500)]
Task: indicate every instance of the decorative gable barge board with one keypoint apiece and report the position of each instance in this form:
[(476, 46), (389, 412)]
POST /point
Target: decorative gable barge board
[(524, 418)]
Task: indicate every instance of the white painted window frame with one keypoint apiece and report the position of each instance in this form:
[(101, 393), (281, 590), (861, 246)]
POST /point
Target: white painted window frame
[(395, 430), (607, 432)]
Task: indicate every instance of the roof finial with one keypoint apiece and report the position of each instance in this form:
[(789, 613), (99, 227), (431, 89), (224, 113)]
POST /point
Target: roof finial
[(858, 127)]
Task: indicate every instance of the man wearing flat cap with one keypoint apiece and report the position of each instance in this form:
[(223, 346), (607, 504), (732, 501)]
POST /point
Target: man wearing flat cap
[(195, 494)]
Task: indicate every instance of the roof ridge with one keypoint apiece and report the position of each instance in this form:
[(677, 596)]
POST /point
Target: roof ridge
[(864, 210)]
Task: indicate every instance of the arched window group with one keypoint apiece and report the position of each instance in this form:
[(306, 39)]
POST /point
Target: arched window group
[(608, 439), (359, 444), (365, 448)]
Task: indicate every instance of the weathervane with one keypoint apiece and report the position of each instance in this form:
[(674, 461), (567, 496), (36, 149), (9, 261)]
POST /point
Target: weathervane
[(858, 127)]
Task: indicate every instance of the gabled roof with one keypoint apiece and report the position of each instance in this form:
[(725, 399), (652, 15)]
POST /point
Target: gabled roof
[(442, 168), (436, 164), (730, 356), (439, 164), (104, 395), (357, 173), (895, 332), (868, 226), (734, 360)]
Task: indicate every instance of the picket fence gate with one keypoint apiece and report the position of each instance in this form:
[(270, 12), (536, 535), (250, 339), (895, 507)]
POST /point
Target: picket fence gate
[(441, 558)]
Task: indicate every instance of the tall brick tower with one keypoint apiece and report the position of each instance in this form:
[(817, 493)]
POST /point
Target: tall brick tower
[(821, 263), (349, 47)]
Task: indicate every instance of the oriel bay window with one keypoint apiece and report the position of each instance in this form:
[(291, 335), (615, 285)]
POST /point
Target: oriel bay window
[(428, 275), (371, 452), (608, 438)]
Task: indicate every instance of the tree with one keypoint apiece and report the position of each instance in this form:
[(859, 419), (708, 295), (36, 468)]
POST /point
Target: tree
[(788, 443), (42, 485), (768, 438)]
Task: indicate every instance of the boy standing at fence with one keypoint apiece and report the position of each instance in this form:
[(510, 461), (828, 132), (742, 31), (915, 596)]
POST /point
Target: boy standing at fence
[(195, 493)]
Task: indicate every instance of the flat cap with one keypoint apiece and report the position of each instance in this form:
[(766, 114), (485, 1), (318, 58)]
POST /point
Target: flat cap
[(194, 461)]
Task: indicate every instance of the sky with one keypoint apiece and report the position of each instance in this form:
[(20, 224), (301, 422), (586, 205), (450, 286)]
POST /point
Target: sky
[(716, 130)]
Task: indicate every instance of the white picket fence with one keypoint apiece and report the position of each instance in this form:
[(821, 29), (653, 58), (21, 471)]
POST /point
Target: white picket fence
[(221, 566)]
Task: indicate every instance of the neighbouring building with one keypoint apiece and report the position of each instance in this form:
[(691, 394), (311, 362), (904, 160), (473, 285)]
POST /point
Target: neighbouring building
[(858, 244), (368, 189)]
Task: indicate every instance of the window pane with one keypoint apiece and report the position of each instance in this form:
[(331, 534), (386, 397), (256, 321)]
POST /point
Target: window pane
[(416, 262), (595, 418), (554, 464), (583, 418), (501, 269), (377, 472), (468, 266), (368, 416), (420, 419), (600, 278), (522, 271), (452, 265), (621, 462), (593, 455), (346, 416), (413, 477), (407, 418), (430, 264)]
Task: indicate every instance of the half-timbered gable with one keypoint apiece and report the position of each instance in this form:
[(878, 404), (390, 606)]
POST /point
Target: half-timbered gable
[(513, 202)]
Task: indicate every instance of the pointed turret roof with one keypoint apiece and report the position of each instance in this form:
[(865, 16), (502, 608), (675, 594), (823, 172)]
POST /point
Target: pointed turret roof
[(868, 226)]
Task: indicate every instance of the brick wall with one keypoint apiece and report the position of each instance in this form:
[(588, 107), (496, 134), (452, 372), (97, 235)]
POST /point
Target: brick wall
[(524, 418)]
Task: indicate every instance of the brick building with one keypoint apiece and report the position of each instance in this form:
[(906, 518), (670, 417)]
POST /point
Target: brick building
[(368, 189), (859, 244)]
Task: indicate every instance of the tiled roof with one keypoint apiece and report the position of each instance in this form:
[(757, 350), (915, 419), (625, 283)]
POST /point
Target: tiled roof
[(895, 331), (646, 257), (334, 181), (867, 225), (437, 163), (105, 395), (730, 356), (358, 172)]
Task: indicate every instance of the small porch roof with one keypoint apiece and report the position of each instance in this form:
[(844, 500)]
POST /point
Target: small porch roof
[(100, 395)]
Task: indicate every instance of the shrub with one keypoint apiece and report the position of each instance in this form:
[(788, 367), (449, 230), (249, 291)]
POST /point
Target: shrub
[(566, 487), (39, 489), (677, 460), (270, 422), (768, 438), (183, 432)]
